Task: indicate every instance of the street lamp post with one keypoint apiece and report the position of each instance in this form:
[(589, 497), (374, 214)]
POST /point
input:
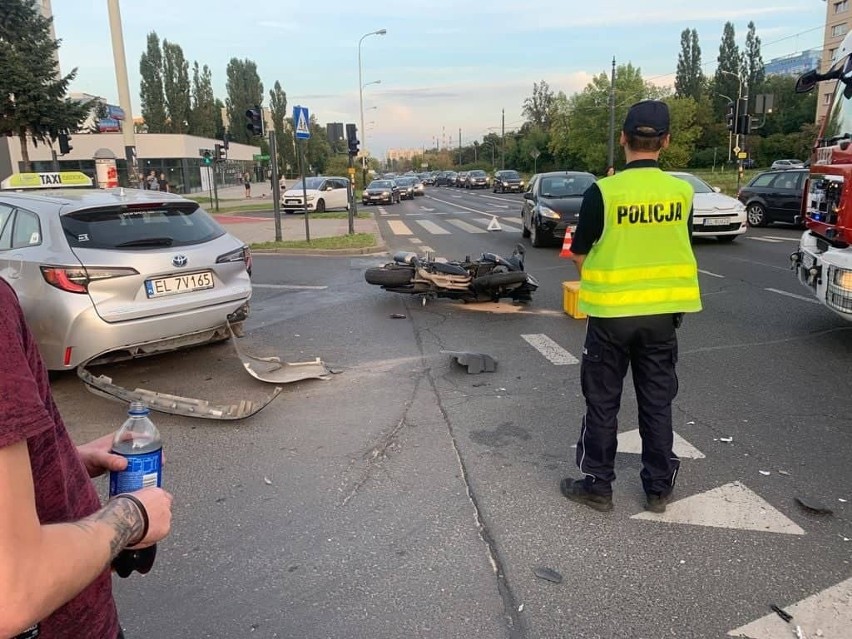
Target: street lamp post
[(737, 119), (361, 102)]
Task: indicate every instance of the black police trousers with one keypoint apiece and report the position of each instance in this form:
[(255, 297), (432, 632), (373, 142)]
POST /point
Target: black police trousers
[(648, 344)]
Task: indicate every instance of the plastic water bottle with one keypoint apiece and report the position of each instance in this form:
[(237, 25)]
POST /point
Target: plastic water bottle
[(139, 441)]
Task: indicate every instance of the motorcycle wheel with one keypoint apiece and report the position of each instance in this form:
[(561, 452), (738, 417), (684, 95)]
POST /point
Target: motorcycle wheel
[(496, 280), (390, 275)]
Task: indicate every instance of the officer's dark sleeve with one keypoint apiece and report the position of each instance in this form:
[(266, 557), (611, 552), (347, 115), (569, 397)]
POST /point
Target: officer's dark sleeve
[(690, 220), (590, 226)]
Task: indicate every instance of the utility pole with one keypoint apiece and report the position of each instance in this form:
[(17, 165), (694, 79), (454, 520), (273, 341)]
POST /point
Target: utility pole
[(503, 133), (120, 62), (460, 149), (611, 155), (276, 187)]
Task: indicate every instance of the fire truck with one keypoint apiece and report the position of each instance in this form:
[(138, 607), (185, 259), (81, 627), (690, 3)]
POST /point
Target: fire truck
[(823, 261)]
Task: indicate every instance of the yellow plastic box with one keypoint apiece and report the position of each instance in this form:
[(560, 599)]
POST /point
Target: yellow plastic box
[(571, 299)]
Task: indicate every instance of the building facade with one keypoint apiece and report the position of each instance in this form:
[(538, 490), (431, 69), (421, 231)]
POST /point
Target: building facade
[(795, 64), (838, 20)]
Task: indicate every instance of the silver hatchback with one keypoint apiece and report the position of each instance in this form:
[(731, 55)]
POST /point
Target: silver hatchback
[(113, 274)]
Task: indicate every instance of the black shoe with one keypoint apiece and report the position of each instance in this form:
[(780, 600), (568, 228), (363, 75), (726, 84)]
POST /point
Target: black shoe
[(576, 490), (657, 503)]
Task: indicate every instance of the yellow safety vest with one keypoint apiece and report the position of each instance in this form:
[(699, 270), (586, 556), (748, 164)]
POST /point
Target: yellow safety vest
[(643, 263)]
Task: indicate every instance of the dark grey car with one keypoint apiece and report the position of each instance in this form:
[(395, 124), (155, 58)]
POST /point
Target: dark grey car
[(774, 196), (552, 204)]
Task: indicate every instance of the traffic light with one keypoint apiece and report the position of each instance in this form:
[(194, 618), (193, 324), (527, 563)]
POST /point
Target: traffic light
[(207, 158), (730, 117), (352, 139), (220, 153), (64, 144), (255, 121), (743, 118)]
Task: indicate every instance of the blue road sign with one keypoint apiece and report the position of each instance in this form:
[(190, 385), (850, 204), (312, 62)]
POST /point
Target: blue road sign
[(301, 121)]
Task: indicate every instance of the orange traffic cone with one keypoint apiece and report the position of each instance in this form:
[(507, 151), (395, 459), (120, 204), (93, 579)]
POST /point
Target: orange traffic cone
[(566, 243)]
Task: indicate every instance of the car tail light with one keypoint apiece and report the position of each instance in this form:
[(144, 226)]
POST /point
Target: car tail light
[(77, 279), (242, 254)]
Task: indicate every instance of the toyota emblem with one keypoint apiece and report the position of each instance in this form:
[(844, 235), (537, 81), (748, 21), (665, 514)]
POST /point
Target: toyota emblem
[(179, 260)]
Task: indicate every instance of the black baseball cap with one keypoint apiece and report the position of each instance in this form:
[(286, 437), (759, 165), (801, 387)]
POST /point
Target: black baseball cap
[(647, 119)]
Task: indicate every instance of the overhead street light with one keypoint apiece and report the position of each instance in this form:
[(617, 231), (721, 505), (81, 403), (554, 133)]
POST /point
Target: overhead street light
[(361, 96)]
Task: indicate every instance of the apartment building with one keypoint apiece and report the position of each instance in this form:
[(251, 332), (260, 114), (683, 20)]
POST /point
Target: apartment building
[(838, 21)]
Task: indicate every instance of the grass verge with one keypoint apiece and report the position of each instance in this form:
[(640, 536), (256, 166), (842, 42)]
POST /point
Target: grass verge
[(356, 241)]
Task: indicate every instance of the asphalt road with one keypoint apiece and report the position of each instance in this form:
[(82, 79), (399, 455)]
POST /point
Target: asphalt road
[(406, 498)]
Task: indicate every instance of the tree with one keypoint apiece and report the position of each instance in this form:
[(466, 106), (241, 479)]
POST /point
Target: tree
[(176, 88), (689, 80), (245, 91), (151, 97), (685, 133), (726, 82), (218, 121), (32, 93), (278, 108), (202, 120), (538, 107), (317, 149), (100, 113), (581, 122), (752, 67)]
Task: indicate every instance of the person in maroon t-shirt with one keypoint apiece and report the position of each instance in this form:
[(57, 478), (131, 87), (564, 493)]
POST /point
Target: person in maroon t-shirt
[(56, 541)]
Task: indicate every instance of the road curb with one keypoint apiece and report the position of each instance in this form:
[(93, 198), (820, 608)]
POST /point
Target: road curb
[(367, 250)]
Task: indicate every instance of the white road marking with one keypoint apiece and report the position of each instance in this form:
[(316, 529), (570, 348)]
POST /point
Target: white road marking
[(793, 295), (729, 506), (721, 277), (631, 442), (289, 287), (464, 226), (781, 238), (399, 228), (414, 240), (428, 210), (427, 249), (467, 208), (432, 228), (491, 197), (829, 611), (552, 351), (762, 239)]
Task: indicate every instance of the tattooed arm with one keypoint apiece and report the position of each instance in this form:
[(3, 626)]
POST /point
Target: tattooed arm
[(43, 567)]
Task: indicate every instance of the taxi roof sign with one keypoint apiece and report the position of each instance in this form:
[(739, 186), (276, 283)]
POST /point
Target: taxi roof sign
[(50, 180)]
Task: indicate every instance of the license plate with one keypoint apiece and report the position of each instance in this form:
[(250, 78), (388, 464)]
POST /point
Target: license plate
[(715, 221), (178, 284), (292, 201)]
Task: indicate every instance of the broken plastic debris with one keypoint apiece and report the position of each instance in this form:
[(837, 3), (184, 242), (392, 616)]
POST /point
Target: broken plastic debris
[(267, 481), (799, 633), (521, 608), (690, 423), (548, 575), (727, 440), (813, 506), (764, 472), (475, 362), (841, 500), (397, 316), (783, 472), (786, 616)]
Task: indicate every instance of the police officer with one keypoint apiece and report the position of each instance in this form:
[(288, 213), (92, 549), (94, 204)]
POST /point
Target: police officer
[(638, 276)]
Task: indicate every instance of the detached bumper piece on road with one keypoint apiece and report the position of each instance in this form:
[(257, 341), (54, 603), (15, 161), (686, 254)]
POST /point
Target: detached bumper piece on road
[(266, 369)]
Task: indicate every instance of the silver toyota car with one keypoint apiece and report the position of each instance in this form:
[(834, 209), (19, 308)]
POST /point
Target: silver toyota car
[(104, 275)]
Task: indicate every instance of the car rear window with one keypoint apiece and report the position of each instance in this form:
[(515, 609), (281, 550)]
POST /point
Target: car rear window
[(127, 227)]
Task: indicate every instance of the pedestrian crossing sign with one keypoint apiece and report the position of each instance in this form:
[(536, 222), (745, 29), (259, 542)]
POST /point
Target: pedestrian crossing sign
[(300, 122)]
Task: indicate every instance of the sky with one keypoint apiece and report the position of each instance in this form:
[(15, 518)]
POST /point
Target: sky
[(443, 65)]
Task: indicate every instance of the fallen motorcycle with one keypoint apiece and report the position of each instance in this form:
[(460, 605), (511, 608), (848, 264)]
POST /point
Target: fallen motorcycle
[(488, 279)]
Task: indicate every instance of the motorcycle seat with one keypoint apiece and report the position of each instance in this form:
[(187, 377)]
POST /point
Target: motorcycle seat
[(448, 269), (404, 257)]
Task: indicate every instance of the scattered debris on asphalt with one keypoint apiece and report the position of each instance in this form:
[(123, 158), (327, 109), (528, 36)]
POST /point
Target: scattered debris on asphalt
[(690, 423), (267, 481), (476, 362), (397, 316), (799, 633), (765, 472), (783, 472), (727, 440), (521, 608), (548, 575), (786, 616), (813, 506), (841, 500), (274, 371)]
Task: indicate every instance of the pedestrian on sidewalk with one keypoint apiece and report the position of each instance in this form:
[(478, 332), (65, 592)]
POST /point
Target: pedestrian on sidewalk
[(152, 183), (163, 183), (56, 540), (638, 276), (247, 185)]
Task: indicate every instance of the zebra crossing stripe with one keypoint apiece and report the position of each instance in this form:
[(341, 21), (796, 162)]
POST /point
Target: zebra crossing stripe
[(399, 228), (464, 226), (554, 353), (432, 228)]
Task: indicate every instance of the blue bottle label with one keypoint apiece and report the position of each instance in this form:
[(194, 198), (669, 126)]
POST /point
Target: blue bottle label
[(143, 471)]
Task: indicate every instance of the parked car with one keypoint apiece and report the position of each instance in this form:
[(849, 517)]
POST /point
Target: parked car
[(714, 214), (552, 204), (787, 164), (104, 275), (324, 194), (507, 180), (774, 196), (381, 192), (406, 186), (461, 178), (427, 178), (476, 179)]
